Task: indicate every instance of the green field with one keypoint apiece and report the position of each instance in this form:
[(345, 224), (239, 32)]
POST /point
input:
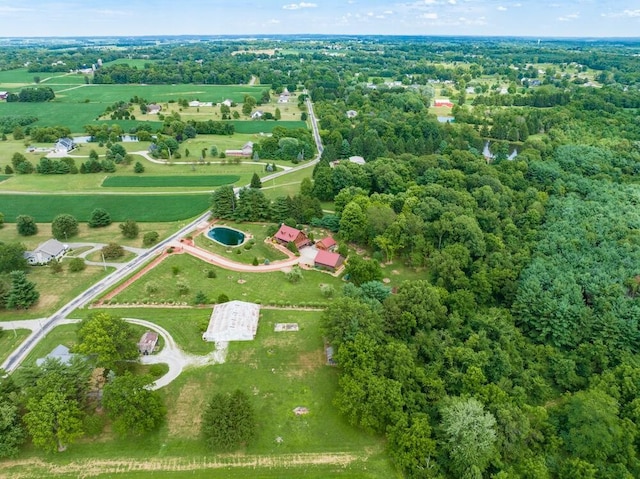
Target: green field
[(259, 126), (264, 288), (44, 208), (168, 181), (78, 104)]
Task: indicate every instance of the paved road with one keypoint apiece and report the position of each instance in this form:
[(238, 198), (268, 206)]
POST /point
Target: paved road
[(47, 324)]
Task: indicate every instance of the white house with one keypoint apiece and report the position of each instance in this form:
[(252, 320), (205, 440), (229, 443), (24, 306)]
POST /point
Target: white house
[(352, 113), (64, 145), (46, 252), (233, 321), (246, 150), (227, 102), (256, 115)]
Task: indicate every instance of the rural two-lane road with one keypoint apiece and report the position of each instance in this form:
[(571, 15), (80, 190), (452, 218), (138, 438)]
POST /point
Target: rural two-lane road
[(18, 355)]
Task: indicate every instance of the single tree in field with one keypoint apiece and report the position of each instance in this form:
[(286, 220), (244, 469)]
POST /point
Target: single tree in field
[(26, 225), (130, 229), (138, 167), (255, 181), (64, 226), (112, 251), (110, 340), (134, 409), (229, 421), (23, 293), (99, 218)]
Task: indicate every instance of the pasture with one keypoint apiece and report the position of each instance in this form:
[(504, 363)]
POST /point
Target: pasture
[(153, 207), (208, 181)]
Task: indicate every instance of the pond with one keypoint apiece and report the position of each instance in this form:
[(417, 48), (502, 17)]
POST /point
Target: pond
[(226, 236)]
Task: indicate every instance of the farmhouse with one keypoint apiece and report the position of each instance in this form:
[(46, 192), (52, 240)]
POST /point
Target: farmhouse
[(352, 113), (233, 321), (227, 102), (148, 342), (287, 234), (197, 103), (46, 252), (256, 115), (443, 102), (153, 109), (328, 260), (64, 145), (4, 95), (60, 353), (358, 160), (245, 151), (327, 244)]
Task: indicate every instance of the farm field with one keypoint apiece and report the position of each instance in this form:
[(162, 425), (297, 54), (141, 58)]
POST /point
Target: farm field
[(279, 371), (168, 181), (153, 207)]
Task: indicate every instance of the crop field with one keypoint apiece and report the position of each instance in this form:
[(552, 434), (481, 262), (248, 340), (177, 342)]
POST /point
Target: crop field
[(78, 104), (168, 181), (44, 208), (265, 126)]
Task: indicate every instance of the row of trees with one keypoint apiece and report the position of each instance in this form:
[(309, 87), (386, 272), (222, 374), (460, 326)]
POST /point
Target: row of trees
[(32, 95)]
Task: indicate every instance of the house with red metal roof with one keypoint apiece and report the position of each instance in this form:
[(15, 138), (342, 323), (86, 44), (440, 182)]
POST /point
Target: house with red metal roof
[(287, 234)]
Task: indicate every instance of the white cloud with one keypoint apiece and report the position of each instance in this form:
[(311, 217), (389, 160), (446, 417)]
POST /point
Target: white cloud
[(429, 16), (298, 6), (502, 9), (388, 12), (625, 13), (273, 21), (452, 2), (569, 18)]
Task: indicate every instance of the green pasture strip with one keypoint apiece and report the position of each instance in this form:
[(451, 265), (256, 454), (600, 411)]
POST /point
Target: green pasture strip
[(132, 62), (144, 208), (259, 126), (263, 288), (128, 125), (168, 181), (72, 115)]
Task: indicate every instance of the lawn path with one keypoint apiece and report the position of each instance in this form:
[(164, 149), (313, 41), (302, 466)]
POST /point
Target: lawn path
[(32, 468)]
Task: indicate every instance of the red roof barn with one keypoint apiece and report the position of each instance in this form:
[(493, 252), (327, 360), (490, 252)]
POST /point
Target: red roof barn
[(328, 260), (287, 234), (443, 102), (327, 244)]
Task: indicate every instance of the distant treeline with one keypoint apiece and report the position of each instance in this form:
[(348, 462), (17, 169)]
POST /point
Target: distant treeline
[(32, 95)]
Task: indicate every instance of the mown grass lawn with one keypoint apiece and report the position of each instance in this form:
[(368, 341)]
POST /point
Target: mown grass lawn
[(55, 290), (10, 340), (264, 288), (246, 253)]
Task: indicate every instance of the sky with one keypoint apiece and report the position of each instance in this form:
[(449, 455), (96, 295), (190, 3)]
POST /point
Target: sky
[(540, 18)]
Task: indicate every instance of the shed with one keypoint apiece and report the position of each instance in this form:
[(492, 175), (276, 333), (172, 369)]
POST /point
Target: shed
[(233, 321), (327, 244), (148, 342), (328, 260)]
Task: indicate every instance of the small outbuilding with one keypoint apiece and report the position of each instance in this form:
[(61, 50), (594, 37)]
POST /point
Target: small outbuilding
[(328, 260), (327, 244), (148, 342), (233, 321), (64, 145)]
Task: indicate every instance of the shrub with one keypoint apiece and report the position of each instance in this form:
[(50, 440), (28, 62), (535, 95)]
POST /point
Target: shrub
[(150, 238), (200, 298), (151, 287), (156, 370), (112, 251), (99, 218), (222, 298), (130, 229), (212, 273), (183, 287), (76, 265), (255, 261), (26, 225), (175, 270), (291, 246), (56, 267), (327, 290), (294, 276)]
